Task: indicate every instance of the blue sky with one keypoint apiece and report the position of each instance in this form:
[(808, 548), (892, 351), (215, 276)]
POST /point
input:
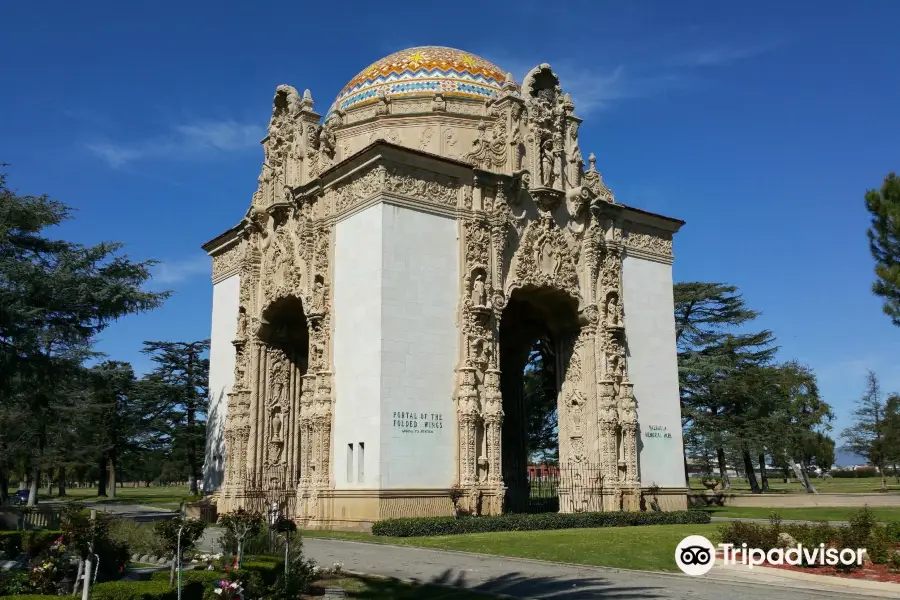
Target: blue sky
[(761, 125)]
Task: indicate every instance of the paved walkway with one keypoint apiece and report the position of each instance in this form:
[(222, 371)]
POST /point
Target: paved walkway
[(518, 578)]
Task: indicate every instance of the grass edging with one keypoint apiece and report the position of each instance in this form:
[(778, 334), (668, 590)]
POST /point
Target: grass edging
[(432, 526)]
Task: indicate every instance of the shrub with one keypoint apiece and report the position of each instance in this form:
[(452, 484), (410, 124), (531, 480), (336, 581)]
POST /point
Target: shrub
[(241, 525), (892, 530), (257, 544), (755, 535), (30, 597), (137, 537), (168, 533), (427, 526), (207, 578), (33, 543), (812, 535), (145, 590), (855, 473), (14, 583), (894, 562), (268, 571)]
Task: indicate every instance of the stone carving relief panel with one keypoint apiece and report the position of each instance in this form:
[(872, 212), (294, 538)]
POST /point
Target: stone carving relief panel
[(227, 263), (647, 240), (423, 185)]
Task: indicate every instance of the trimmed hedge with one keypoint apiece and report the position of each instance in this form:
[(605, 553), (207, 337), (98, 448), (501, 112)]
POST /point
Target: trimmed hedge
[(268, 571), (427, 526), (13, 543), (207, 578), (862, 473), (146, 590)]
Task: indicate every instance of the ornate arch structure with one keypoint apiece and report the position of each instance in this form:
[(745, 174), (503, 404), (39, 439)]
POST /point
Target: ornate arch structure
[(499, 167)]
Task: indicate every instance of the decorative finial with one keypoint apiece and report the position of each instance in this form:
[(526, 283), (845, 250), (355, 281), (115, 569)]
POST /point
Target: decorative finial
[(509, 87), (593, 160), (307, 101)]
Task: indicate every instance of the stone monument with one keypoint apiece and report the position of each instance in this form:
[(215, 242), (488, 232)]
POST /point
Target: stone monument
[(374, 308)]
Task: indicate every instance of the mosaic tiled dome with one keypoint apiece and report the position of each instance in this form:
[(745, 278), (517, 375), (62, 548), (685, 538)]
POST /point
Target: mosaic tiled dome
[(422, 72)]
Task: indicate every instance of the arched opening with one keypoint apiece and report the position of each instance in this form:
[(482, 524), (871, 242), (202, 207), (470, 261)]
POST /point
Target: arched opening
[(284, 363), (538, 328), (284, 327)]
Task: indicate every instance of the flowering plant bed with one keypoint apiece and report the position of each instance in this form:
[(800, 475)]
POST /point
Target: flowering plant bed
[(868, 572), (863, 549)]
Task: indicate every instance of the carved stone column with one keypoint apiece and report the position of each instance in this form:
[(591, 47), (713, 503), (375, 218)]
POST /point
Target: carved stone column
[(306, 429), (628, 423), (493, 422), (323, 418), (257, 391), (467, 414), (607, 418), (493, 431)]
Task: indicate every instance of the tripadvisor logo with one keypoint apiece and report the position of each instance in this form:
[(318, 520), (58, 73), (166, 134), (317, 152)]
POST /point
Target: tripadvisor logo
[(695, 555)]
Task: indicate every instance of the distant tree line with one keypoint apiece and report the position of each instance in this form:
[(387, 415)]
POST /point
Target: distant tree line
[(67, 412)]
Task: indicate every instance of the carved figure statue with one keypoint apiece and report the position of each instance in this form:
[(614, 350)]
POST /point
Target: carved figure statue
[(613, 313), (479, 295), (319, 296), (242, 324), (276, 427), (548, 261), (548, 164)]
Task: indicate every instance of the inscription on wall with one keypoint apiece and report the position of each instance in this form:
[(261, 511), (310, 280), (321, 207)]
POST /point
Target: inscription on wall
[(418, 422), (657, 431)]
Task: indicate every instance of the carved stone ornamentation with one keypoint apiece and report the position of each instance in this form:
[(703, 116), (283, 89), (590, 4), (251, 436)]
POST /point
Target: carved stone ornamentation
[(535, 245), (359, 188), (489, 153), (422, 185), (544, 259), (227, 263), (648, 241)]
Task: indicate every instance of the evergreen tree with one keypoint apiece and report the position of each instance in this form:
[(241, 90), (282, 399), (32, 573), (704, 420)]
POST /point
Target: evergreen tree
[(799, 421), (865, 436), (55, 297), (890, 433), (711, 351), (541, 404), (181, 380), (884, 243), (110, 417)]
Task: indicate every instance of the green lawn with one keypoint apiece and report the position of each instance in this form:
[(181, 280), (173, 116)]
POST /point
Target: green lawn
[(813, 513), (650, 547), (364, 586), (863, 485), (159, 496)]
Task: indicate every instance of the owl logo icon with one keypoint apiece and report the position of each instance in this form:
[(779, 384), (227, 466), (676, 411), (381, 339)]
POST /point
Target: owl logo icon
[(695, 555)]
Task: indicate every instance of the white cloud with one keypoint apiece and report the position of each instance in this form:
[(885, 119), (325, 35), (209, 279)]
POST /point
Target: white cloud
[(596, 88), (721, 55), (177, 271), (192, 140)]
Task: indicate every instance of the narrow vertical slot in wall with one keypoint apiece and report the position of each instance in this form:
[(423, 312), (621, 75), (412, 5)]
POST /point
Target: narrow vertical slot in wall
[(361, 463), (349, 463)]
